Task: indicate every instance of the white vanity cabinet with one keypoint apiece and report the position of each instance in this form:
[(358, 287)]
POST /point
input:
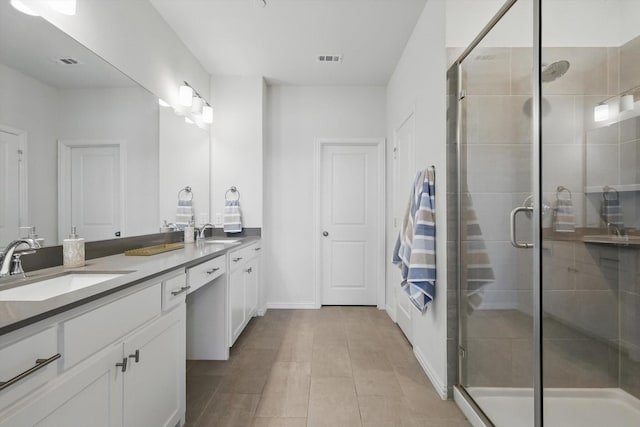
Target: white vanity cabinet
[(125, 365), (244, 288)]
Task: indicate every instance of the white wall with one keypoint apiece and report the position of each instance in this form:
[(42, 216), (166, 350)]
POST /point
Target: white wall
[(236, 145), (131, 35), (129, 114), (419, 84), (29, 105), (179, 140), (297, 115)]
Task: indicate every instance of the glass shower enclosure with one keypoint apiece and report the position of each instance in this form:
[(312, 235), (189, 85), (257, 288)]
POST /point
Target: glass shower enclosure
[(544, 136)]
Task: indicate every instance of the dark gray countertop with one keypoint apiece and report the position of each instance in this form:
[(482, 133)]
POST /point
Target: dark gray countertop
[(17, 314)]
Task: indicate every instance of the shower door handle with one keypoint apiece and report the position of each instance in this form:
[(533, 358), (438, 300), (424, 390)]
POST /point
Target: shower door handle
[(514, 239)]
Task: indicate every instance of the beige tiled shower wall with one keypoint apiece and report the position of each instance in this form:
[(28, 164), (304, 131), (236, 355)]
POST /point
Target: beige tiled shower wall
[(591, 292)]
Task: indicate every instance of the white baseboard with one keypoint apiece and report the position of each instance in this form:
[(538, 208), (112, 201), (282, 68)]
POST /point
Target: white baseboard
[(292, 305), (438, 384), (391, 312)]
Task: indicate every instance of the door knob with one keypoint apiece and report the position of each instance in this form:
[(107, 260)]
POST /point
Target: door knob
[(325, 233)]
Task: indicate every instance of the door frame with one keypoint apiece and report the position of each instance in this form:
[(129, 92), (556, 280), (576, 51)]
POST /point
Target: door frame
[(393, 308), (64, 178), (380, 144), (23, 194)]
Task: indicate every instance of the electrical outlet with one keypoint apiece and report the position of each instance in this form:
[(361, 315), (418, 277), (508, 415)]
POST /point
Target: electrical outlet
[(219, 219)]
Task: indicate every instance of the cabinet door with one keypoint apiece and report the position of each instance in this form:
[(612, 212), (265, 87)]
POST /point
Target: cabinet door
[(252, 271), (89, 395), (236, 303), (154, 385)]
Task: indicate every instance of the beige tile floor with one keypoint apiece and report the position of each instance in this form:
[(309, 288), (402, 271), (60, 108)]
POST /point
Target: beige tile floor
[(333, 367)]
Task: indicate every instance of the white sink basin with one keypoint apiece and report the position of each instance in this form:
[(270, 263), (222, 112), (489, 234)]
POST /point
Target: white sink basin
[(49, 288), (221, 241)]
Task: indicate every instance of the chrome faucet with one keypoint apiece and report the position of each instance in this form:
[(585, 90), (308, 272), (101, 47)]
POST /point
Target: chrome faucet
[(618, 230), (204, 227), (10, 263)]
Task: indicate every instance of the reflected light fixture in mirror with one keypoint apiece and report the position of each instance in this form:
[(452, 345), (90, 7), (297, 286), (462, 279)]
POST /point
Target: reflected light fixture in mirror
[(601, 113), (188, 120), (163, 103), (66, 7), (626, 102), (18, 5), (186, 95), (207, 114)]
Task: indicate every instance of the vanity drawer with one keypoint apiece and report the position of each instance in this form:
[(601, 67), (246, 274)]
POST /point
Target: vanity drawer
[(174, 291), (243, 255), (204, 273), (89, 332), (19, 357)]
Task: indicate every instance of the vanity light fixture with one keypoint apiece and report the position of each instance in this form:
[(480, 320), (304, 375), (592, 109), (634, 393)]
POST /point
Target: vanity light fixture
[(207, 114), (196, 106), (601, 113), (186, 95), (18, 5), (163, 103), (66, 7), (626, 102)]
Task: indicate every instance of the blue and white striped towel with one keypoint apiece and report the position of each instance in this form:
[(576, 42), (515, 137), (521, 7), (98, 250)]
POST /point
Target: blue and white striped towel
[(232, 217), (415, 252)]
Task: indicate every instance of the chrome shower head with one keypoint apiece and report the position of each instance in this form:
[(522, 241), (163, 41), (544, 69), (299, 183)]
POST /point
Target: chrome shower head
[(554, 70)]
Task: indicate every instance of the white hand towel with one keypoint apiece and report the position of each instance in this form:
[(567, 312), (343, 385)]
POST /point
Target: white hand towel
[(232, 217)]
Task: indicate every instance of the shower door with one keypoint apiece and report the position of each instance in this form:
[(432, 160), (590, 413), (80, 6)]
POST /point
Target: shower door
[(496, 341), (548, 197)]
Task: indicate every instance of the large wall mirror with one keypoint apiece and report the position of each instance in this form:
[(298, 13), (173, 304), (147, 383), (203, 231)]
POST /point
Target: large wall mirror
[(83, 144)]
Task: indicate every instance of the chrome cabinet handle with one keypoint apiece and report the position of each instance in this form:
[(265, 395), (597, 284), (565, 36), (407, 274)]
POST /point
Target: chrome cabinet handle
[(514, 239), (325, 233), (181, 290), (135, 356), (249, 270), (237, 259), (40, 363), (213, 270), (257, 249), (123, 365)]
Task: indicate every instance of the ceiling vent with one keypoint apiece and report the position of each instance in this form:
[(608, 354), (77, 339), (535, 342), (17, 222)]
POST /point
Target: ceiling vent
[(67, 60), (329, 58)]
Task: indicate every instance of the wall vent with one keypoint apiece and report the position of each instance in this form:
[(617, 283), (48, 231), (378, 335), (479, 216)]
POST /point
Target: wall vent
[(329, 58), (67, 60)]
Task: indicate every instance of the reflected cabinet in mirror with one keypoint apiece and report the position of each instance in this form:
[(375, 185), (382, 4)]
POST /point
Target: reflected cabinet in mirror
[(81, 143)]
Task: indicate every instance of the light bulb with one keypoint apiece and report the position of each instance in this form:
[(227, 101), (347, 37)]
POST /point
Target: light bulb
[(207, 114), (66, 7), (186, 95), (18, 5)]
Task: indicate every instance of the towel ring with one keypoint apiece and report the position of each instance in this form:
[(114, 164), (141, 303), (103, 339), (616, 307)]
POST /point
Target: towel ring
[(186, 190), (233, 190), (560, 189), (608, 189)]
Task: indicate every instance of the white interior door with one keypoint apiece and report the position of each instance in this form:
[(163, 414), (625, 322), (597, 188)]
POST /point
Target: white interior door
[(405, 170), (350, 215), (10, 186), (92, 191)]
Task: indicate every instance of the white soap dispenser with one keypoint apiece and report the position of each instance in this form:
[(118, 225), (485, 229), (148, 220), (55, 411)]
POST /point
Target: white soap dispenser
[(73, 250), (189, 232)]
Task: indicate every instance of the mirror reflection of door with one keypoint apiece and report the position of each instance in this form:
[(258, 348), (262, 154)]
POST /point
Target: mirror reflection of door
[(91, 189), (12, 190)]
